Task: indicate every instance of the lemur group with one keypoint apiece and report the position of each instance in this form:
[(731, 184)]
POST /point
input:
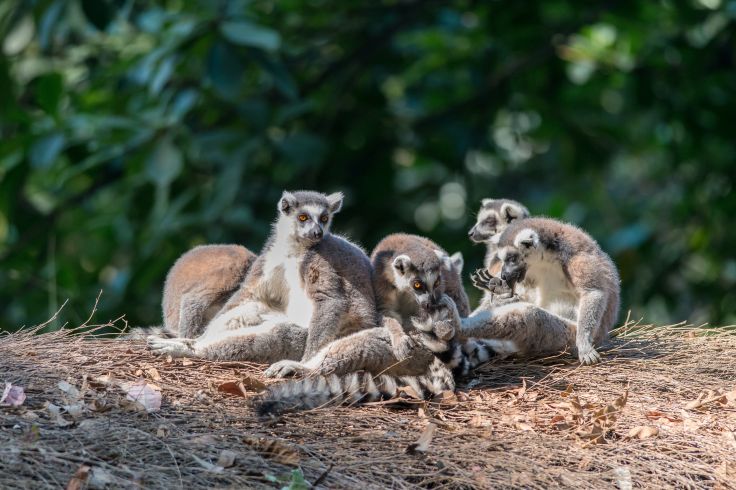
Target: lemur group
[(348, 328)]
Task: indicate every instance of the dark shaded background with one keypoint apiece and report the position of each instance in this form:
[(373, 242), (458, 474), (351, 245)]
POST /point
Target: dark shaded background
[(130, 132)]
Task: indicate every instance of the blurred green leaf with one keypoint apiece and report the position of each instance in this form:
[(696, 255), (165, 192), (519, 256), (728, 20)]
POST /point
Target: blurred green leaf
[(245, 33), (50, 88), (165, 163), (44, 152)]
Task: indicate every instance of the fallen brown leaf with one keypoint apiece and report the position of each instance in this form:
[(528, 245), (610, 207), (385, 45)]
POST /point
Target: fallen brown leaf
[(146, 394), (226, 459), (79, 479), (233, 388), (643, 432), (13, 395)]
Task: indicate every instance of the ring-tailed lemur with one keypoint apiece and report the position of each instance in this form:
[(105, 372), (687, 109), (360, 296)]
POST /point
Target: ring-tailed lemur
[(307, 288), (364, 366), (575, 284), (493, 217)]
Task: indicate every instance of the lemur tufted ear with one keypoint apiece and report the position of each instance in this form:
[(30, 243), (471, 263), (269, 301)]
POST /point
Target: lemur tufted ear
[(335, 201), (401, 264), (446, 262), (287, 202), (526, 238), (510, 212), (457, 262), (486, 203)]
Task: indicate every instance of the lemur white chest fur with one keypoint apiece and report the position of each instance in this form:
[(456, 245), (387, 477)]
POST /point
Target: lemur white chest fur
[(283, 260), (551, 289)]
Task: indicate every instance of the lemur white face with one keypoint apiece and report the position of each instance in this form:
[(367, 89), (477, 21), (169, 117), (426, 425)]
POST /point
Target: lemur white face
[(494, 216), (516, 258), (425, 285), (308, 215)]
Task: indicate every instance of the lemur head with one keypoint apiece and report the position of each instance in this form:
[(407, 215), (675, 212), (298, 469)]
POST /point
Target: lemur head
[(516, 249), (494, 216), (306, 216), (422, 276)]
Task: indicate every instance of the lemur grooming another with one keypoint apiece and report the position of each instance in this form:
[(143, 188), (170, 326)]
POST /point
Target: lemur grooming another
[(566, 272), (307, 288)]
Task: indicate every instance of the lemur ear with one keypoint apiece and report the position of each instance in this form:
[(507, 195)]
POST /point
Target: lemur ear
[(457, 262), (335, 201), (486, 202), (510, 212), (526, 238), (446, 263), (401, 264), (287, 202)]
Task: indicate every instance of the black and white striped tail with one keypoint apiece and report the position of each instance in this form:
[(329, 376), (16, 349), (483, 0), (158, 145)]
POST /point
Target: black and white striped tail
[(349, 389), (478, 351)]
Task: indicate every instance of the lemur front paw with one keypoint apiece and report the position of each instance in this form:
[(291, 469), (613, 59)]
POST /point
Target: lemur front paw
[(285, 368), (589, 356), (172, 347), (483, 280)]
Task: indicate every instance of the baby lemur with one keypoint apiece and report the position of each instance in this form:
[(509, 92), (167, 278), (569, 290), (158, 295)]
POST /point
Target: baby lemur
[(364, 367), (307, 288), (199, 284), (575, 286)]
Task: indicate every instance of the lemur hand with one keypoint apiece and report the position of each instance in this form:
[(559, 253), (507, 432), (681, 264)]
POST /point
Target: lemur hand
[(483, 280)]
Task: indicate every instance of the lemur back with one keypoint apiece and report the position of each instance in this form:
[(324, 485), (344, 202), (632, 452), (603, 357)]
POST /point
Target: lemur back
[(199, 284)]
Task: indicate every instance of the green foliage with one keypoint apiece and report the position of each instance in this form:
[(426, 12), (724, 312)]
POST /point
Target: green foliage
[(131, 131)]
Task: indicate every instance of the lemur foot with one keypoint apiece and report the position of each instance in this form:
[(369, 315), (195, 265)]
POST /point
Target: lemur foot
[(589, 356), (483, 280), (172, 347), (405, 348), (285, 368)]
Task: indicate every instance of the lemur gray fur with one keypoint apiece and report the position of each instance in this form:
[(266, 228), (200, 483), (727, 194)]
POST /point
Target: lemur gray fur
[(307, 288)]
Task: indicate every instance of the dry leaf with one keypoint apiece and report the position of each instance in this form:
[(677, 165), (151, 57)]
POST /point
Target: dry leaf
[(410, 392), (162, 431), (252, 383), (55, 412), (148, 395), (233, 388), (186, 362), (524, 426), (280, 451), (447, 397), (71, 391), (422, 444), (77, 481), (643, 432), (153, 374), (691, 425), (226, 459), (663, 417), (13, 396)]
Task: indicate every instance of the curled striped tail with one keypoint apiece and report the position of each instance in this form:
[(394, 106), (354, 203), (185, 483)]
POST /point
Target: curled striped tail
[(350, 389), (477, 351)]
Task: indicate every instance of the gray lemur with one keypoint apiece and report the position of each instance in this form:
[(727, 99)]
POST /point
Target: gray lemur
[(493, 217), (364, 367), (566, 273), (307, 288)]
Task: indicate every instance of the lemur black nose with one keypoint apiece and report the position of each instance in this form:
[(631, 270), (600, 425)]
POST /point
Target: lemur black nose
[(317, 233)]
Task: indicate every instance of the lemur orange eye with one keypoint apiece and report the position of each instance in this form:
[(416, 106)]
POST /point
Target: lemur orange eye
[(417, 285), (303, 217), (323, 218)]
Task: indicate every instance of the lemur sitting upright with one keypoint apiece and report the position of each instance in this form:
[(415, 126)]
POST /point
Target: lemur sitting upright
[(307, 288), (575, 286)]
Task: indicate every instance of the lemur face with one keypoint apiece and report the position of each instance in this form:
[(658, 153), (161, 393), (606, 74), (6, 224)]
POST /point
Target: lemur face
[(494, 216), (516, 257), (425, 284), (309, 214)]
